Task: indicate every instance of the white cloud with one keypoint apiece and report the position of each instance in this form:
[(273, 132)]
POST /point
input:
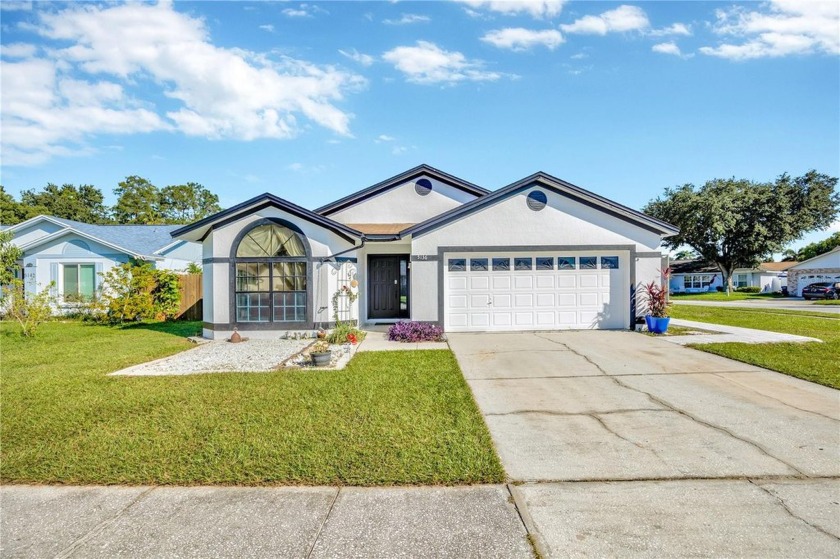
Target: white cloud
[(399, 150), (579, 56), (384, 138), (407, 19), (53, 104), (673, 29), (18, 50), (267, 27), (623, 18), (363, 59), (519, 39), (536, 8), (427, 63), (667, 48), (304, 10), (786, 27)]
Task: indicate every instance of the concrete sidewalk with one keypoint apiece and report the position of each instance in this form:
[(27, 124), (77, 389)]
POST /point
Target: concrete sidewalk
[(294, 522), (731, 334)]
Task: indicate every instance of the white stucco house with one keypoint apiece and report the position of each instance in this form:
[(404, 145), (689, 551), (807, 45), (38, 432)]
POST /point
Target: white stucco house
[(698, 276), (823, 267), (538, 254), (72, 255)]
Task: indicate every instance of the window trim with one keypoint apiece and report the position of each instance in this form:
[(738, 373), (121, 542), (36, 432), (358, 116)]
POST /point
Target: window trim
[(271, 324)]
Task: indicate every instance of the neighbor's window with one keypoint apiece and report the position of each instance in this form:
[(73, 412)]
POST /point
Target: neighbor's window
[(741, 280), (79, 282), (271, 275)]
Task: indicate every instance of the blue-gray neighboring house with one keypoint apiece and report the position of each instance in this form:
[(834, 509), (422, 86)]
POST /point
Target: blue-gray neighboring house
[(72, 255)]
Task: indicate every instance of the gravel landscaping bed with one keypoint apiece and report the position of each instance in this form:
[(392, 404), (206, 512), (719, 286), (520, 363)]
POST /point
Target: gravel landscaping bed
[(221, 356)]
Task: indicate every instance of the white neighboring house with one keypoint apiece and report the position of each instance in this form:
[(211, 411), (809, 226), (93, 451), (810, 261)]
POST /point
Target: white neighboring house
[(824, 267), (698, 276), (73, 254), (538, 254)]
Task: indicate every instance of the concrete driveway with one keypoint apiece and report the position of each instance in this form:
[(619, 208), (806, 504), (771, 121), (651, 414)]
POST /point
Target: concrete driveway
[(620, 444)]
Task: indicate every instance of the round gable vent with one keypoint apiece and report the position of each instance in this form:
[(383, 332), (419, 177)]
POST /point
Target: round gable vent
[(423, 187), (537, 200)]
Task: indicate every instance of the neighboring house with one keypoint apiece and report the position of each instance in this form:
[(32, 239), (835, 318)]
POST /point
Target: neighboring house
[(697, 276), (539, 254), (824, 267), (73, 254)]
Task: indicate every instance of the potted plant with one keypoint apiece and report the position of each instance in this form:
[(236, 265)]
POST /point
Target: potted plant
[(321, 353), (655, 298)]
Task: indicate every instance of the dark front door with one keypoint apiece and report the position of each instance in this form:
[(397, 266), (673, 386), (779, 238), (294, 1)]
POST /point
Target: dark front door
[(388, 291)]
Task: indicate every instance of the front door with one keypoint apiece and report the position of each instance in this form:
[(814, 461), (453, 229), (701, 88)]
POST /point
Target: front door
[(388, 291)]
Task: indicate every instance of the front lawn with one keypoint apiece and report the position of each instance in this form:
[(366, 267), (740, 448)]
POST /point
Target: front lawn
[(811, 361), (718, 296), (388, 418)]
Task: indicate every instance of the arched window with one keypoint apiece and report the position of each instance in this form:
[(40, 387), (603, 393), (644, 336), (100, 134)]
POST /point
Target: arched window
[(271, 271)]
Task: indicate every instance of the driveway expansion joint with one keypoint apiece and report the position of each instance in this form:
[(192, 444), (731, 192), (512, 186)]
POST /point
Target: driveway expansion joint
[(323, 523), (784, 505)]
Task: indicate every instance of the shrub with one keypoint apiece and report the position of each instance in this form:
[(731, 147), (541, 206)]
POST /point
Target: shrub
[(719, 289), (345, 332), (29, 309), (136, 291), (655, 300), (751, 289), (407, 331)]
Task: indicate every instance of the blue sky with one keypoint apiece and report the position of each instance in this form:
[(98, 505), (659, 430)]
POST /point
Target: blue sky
[(312, 101)]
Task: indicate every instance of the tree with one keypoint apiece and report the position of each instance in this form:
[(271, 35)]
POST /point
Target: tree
[(789, 255), (84, 203), (11, 212), (10, 254), (138, 202), (185, 203), (736, 223), (820, 247), (685, 255)]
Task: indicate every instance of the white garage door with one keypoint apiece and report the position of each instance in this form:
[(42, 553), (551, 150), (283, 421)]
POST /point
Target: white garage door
[(536, 291), (807, 279)]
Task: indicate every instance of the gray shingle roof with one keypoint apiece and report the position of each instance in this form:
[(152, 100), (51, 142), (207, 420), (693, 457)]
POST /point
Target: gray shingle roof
[(140, 239)]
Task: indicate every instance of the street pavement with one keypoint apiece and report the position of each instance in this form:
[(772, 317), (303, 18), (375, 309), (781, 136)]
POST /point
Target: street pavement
[(624, 445)]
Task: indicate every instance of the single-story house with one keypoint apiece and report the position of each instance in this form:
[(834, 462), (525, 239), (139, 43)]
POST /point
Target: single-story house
[(823, 267), (538, 254), (72, 254), (697, 276)]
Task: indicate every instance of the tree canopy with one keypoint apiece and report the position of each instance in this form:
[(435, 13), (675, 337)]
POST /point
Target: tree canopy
[(737, 223), (814, 249), (138, 202)]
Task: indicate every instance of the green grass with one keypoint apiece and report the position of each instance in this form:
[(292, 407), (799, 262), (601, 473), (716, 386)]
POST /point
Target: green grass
[(810, 361), (679, 331), (716, 296), (829, 302), (388, 418)]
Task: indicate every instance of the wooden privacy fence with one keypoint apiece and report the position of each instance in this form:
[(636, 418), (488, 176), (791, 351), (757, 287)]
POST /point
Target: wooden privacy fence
[(191, 299)]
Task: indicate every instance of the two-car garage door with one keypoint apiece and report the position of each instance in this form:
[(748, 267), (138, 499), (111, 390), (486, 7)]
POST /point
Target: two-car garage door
[(536, 290)]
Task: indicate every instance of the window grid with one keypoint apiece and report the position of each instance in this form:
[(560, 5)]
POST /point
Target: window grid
[(270, 292)]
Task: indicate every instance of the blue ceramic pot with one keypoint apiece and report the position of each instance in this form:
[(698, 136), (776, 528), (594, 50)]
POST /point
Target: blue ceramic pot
[(657, 325)]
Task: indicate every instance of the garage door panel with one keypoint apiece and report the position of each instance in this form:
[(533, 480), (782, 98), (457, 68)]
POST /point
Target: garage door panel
[(523, 300), (484, 298), (457, 283), (523, 282), (501, 282), (523, 318), (567, 280), (588, 280)]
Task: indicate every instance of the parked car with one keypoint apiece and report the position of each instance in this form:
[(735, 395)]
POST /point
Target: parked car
[(821, 290)]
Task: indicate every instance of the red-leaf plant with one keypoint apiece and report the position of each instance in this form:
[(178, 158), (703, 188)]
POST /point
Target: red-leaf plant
[(655, 297)]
